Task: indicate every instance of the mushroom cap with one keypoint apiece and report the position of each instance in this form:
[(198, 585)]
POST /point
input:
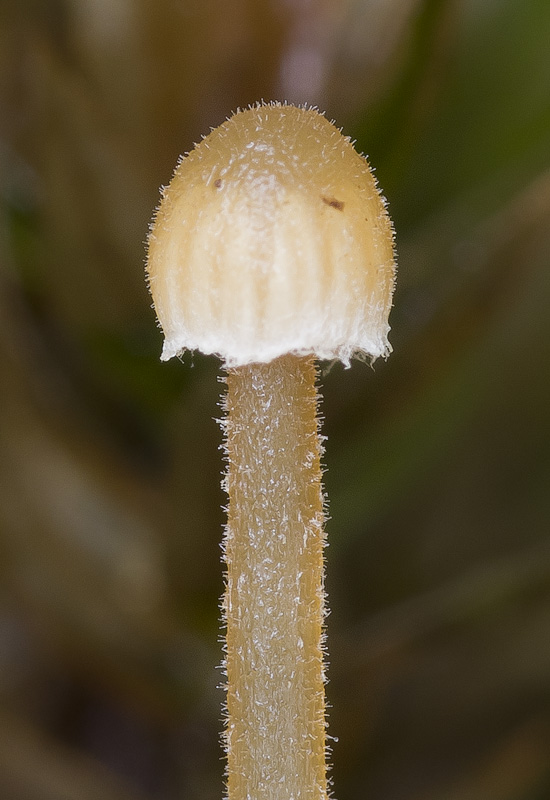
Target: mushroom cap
[(273, 238)]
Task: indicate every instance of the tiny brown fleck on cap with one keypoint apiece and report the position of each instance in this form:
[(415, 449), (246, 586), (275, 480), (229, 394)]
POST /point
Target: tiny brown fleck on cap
[(333, 202)]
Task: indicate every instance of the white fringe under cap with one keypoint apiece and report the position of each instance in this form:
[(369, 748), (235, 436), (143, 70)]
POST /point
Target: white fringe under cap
[(272, 238)]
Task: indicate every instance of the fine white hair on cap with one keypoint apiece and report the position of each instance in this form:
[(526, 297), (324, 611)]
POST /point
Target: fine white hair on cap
[(273, 238)]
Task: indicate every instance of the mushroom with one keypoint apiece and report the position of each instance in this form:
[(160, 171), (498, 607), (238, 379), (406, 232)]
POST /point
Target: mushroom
[(272, 248)]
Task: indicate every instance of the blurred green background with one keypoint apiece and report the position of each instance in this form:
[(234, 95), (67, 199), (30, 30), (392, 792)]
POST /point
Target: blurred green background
[(438, 460)]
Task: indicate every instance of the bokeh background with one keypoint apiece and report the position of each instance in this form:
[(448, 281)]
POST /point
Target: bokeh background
[(438, 460)]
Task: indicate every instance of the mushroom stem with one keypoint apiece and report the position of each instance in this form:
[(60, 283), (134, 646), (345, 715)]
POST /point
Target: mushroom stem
[(274, 598)]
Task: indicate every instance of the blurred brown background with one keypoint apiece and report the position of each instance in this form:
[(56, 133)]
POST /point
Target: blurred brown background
[(438, 460)]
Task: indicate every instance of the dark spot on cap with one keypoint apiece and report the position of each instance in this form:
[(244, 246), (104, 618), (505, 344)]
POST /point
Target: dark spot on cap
[(333, 202), (218, 183)]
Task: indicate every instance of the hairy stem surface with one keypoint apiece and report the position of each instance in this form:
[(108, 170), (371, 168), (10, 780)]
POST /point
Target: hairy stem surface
[(274, 599)]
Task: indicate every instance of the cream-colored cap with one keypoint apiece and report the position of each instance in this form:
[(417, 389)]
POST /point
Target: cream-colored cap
[(272, 238)]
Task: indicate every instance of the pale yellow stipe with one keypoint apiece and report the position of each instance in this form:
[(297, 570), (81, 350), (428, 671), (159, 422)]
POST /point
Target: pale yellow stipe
[(274, 599)]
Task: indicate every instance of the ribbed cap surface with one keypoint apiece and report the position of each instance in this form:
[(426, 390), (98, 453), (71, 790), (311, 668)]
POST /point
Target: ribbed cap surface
[(272, 238)]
